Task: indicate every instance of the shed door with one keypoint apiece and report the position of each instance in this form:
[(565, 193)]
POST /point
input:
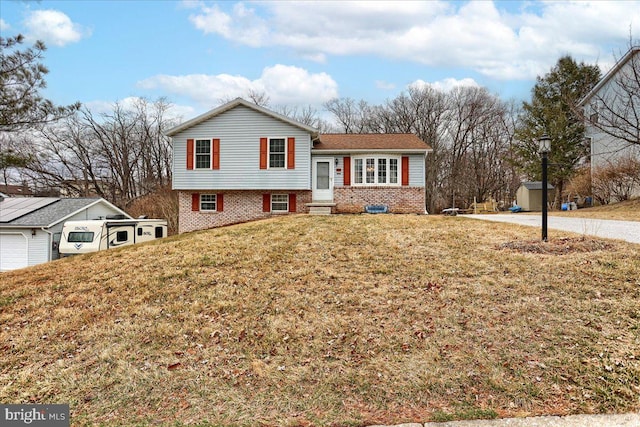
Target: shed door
[(13, 251)]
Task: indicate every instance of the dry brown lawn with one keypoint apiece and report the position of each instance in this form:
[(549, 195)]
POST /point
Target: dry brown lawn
[(330, 321), (625, 211)]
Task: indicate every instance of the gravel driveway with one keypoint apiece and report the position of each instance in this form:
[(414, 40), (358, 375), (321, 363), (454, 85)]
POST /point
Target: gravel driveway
[(623, 230)]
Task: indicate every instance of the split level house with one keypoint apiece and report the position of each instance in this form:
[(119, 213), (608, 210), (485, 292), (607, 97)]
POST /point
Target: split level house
[(242, 162), (612, 108)]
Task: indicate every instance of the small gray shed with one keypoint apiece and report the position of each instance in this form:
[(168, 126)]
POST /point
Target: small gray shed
[(529, 195), (30, 227)]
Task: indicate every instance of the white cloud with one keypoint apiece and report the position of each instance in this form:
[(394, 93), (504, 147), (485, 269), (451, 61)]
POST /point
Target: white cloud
[(385, 85), (484, 36), (3, 25), (284, 85), (53, 27), (445, 85)]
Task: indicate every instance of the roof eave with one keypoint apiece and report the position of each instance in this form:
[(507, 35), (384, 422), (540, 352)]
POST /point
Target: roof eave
[(603, 81), (372, 150), (232, 104), (87, 207)]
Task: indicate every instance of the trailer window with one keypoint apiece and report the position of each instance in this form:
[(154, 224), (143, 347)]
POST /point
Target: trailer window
[(122, 236), (80, 237), (158, 232)]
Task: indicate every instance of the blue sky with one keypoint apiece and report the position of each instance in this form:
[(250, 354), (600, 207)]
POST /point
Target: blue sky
[(197, 53)]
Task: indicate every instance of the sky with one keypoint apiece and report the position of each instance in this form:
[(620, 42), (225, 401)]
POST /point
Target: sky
[(300, 53)]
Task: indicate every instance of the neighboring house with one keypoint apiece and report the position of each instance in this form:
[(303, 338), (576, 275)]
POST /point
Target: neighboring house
[(529, 195), (9, 190), (611, 110), (30, 228), (241, 162)]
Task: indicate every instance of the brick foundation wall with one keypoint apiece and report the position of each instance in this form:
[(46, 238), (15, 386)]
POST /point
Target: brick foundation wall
[(239, 206), (398, 199)]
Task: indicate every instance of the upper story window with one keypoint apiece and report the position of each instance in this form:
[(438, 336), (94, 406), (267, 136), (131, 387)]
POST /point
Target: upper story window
[(203, 154), (277, 153), (376, 170)]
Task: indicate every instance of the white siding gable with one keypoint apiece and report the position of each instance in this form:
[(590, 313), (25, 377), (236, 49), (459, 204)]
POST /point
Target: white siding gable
[(239, 131)]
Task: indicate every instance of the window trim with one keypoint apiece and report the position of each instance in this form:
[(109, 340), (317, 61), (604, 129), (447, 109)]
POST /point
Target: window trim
[(215, 202), (285, 143), (195, 153), (362, 177), (271, 202)]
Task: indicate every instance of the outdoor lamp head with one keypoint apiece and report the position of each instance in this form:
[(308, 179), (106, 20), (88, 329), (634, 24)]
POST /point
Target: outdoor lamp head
[(544, 144)]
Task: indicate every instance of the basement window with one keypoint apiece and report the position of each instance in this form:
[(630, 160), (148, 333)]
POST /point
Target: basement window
[(208, 202), (279, 203)]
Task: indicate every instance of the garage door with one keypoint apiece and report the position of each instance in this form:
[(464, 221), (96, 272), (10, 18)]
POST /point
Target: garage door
[(13, 251)]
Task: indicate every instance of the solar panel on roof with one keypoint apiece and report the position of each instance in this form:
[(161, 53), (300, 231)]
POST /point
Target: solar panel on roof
[(15, 207)]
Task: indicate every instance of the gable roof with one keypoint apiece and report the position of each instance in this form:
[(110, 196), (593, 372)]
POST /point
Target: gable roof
[(612, 72), (45, 211), (233, 104), (354, 142)]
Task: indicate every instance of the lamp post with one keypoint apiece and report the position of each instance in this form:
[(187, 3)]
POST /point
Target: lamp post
[(544, 149)]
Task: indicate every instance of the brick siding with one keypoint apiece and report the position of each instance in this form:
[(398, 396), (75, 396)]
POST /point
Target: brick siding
[(398, 199), (239, 206), (242, 206)]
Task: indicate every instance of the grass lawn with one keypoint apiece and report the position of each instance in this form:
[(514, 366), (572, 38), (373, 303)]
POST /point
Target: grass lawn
[(625, 211), (343, 320)]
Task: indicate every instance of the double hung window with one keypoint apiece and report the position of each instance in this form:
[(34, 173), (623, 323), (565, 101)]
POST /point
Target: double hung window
[(277, 153), (279, 203), (208, 202), (203, 154)]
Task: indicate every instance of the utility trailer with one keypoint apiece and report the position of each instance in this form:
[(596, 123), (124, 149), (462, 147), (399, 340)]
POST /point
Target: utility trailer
[(81, 237)]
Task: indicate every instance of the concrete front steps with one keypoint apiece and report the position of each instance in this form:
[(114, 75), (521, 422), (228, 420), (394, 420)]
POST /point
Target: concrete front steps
[(320, 208)]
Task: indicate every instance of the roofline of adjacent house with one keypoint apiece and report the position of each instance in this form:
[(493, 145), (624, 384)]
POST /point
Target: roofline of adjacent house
[(232, 104), (625, 58), (372, 150), (95, 202)]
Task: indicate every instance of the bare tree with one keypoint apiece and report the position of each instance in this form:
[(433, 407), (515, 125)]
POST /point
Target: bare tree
[(352, 116), (120, 155)]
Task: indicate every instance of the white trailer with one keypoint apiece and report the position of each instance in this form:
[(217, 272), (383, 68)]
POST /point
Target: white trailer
[(80, 237)]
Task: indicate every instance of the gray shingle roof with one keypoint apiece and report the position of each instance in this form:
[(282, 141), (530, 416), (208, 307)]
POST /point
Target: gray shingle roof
[(536, 185), (50, 214)]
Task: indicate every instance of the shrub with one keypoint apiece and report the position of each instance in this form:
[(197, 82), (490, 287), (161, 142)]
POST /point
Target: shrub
[(617, 181)]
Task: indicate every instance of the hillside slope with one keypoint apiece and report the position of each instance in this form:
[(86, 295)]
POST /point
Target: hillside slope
[(341, 320)]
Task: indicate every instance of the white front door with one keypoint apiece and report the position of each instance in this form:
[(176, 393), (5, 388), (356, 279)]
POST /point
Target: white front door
[(323, 179)]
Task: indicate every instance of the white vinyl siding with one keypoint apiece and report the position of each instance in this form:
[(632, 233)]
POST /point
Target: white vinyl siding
[(239, 131)]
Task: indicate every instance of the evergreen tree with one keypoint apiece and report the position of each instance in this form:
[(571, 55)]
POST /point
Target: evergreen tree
[(22, 107), (552, 111)]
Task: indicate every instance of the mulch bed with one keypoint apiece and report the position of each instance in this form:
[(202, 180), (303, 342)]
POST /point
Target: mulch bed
[(560, 246)]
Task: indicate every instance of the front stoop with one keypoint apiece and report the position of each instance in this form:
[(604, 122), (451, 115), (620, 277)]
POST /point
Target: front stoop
[(320, 208)]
